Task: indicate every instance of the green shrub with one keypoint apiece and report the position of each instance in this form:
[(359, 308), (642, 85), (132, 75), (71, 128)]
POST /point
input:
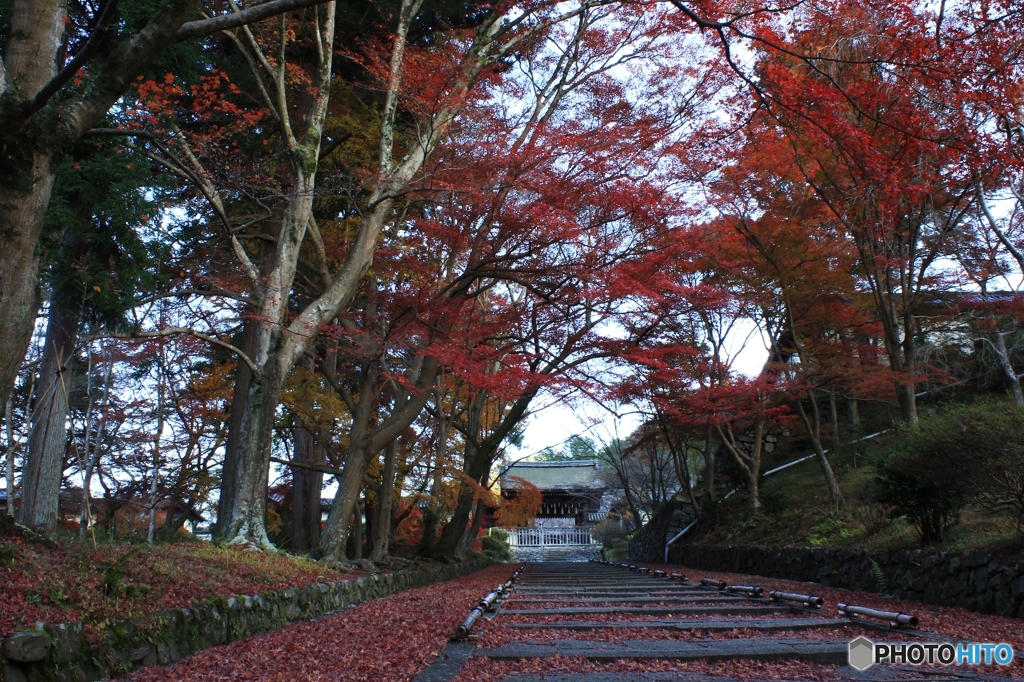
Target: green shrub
[(496, 547), (932, 471), (828, 531), (616, 549)]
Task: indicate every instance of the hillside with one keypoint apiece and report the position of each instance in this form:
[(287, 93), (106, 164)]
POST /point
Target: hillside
[(796, 509)]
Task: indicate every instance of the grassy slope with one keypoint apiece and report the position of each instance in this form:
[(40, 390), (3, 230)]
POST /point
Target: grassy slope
[(797, 511)]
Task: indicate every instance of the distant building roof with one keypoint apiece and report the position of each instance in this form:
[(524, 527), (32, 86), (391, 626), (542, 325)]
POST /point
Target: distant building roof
[(573, 474)]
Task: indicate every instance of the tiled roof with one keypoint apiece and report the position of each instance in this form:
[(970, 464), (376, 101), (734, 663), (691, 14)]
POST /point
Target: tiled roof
[(571, 474)]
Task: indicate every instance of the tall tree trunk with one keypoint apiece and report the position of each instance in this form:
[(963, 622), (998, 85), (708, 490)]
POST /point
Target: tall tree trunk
[(357, 532), (469, 540), (382, 528), (369, 521), (47, 442), (448, 545), (362, 442), (307, 487), (750, 481), (852, 412), (833, 415), (11, 491), (155, 480), (708, 453), (242, 511), (243, 378), (335, 535), (94, 449), (433, 508), (908, 402), (244, 515), (278, 345), (477, 460), (20, 227), (36, 32)]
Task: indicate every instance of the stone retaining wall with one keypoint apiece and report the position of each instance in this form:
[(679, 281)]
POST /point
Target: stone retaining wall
[(61, 652), (974, 579), (648, 543)]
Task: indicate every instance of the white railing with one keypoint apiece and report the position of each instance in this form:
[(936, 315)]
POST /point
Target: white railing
[(549, 537)]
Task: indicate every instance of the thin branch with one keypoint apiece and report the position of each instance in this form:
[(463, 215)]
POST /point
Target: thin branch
[(322, 468), (189, 292), (1005, 240), (174, 331), (204, 186)]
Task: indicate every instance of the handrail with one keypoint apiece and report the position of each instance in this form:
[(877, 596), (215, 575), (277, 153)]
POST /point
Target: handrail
[(677, 536), (804, 459)]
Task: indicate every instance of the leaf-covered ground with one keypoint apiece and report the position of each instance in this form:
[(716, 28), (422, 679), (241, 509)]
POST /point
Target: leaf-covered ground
[(385, 640), (69, 581), (495, 634), (486, 670)]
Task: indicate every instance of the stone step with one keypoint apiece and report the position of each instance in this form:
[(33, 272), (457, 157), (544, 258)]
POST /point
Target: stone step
[(690, 625), (618, 586), (609, 591), (653, 611), (761, 648), (633, 600), (888, 674)]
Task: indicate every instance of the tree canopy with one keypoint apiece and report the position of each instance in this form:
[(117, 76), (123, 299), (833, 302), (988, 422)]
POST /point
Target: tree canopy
[(294, 245)]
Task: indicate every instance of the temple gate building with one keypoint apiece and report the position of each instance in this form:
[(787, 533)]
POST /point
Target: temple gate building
[(576, 495)]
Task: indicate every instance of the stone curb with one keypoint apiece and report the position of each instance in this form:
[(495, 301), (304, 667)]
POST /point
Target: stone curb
[(61, 652)]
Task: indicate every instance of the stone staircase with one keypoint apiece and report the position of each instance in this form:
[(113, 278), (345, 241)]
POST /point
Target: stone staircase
[(573, 553)]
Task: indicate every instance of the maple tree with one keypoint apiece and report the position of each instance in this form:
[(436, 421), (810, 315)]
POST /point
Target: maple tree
[(890, 168), (392, 231), (798, 270)]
